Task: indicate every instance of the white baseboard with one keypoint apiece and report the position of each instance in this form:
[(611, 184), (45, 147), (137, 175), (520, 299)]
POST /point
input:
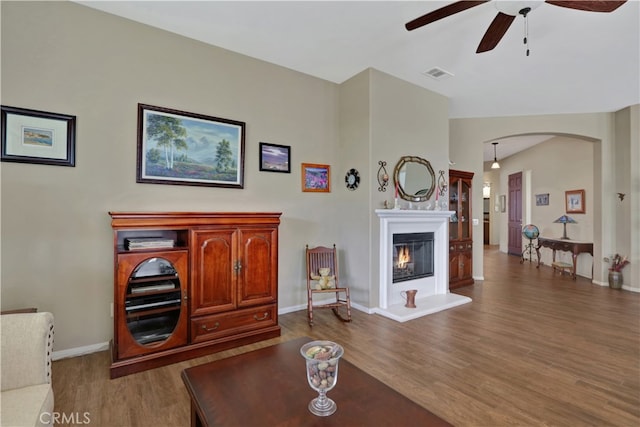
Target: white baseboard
[(80, 351), (300, 307), (94, 348)]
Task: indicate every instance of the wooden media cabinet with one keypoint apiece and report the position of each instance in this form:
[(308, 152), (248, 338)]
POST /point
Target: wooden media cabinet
[(187, 284)]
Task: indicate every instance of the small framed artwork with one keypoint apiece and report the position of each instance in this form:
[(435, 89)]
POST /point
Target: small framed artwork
[(176, 147), (503, 203), (31, 136), (275, 158), (575, 202), (316, 178), (542, 199)]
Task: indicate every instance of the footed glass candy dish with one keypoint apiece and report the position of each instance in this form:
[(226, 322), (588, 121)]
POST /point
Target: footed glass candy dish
[(322, 373)]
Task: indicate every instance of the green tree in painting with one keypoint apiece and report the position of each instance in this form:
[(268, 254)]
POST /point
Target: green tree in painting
[(169, 135), (224, 156), (154, 155)]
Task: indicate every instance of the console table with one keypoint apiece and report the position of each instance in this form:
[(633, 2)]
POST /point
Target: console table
[(574, 247)]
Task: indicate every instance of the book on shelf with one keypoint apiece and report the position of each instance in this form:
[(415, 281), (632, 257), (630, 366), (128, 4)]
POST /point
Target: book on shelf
[(163, 286), (166, 303), (148, 243)]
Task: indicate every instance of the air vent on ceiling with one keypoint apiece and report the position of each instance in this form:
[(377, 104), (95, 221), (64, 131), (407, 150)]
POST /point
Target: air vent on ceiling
[(437, 73)]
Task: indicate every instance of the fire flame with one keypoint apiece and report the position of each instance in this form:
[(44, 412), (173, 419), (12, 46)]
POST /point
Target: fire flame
[(403, 257)]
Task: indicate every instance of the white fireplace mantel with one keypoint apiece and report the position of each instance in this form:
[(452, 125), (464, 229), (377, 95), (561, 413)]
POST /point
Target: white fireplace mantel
[(433, 292)]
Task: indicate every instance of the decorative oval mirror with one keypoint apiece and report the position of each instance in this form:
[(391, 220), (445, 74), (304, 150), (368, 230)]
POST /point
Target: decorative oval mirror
[(415, 179)]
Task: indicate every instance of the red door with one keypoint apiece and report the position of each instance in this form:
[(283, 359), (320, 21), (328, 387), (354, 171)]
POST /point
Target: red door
[(515, 214)]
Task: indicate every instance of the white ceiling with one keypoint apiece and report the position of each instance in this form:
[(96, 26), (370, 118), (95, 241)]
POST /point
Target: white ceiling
[(580, 62)]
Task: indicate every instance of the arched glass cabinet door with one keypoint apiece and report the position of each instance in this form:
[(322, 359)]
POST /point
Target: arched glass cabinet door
[(154, 301)]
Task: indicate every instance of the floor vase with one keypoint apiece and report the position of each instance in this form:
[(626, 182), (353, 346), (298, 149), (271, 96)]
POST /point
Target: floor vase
[(615, 279)]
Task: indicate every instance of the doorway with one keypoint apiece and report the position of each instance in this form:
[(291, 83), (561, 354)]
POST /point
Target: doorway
[(514, 213)]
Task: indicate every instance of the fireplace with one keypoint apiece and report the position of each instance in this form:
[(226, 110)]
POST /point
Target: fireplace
[(412, 256), (425, 234)]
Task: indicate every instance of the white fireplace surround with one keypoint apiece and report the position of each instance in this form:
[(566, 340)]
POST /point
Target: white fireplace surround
[(433, 292)]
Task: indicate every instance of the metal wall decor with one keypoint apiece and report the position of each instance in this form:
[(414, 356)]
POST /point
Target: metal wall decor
[(383, 176), (442, 183), (352, 179)]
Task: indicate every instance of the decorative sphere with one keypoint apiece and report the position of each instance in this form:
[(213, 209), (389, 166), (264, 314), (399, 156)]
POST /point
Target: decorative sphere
[(530, 231)]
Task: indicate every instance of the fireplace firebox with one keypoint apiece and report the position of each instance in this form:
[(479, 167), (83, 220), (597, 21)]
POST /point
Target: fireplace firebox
[(412, 256)]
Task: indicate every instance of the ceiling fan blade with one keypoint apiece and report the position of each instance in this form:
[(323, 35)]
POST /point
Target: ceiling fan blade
[(495, 32), (589, 5), (443, 12)]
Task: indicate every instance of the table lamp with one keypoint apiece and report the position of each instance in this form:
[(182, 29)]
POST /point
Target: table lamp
[(564, 220)]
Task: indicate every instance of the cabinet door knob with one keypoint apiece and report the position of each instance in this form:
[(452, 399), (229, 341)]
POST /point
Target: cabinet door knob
[(211, 329), (264, 316), (237, 266)]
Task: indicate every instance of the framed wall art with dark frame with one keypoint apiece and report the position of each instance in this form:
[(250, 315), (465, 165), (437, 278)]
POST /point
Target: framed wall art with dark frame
[(181, 148), (542, 199), (275, 158), (316, 178), (32, 136), (575, 202)]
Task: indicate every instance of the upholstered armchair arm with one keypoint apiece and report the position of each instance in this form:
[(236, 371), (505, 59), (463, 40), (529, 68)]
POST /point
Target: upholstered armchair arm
[(27, 344)]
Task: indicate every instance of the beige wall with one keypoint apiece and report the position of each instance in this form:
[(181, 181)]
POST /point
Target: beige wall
[(405, 121), (552, 167), (605, 132), (56, 235)]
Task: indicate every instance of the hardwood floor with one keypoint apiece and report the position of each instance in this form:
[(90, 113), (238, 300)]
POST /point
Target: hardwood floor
[(533, 348)]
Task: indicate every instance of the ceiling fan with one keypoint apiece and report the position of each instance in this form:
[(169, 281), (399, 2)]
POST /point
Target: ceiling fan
[(505, 17)]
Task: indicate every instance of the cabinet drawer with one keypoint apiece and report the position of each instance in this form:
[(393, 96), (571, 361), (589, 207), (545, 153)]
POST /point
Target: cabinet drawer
[(204, 328)]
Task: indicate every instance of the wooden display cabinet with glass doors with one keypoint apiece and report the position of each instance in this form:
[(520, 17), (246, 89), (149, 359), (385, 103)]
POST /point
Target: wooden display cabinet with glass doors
[(460, 231)]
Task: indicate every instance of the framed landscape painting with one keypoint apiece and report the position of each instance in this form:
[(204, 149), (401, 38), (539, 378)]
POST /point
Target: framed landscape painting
[(275, 158), (31, 136), (316, 178), (176, 147)]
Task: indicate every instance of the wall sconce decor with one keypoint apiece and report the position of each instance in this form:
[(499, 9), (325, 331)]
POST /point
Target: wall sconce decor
[(383, 176), (486, 190), (442, 183)]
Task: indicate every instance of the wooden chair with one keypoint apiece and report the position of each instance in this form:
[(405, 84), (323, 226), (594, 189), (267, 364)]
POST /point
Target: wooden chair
[(323, 257)]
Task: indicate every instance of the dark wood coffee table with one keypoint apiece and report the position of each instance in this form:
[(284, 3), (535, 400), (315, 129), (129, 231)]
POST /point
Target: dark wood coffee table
[(268, 387)]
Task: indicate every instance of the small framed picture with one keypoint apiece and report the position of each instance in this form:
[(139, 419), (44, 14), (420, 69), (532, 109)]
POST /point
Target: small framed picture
[(31, 136), (575, 202), (316, 178), (275, 158), (542, 199)]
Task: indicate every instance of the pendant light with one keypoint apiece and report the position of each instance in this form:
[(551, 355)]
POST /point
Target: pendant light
[(495, 164)]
